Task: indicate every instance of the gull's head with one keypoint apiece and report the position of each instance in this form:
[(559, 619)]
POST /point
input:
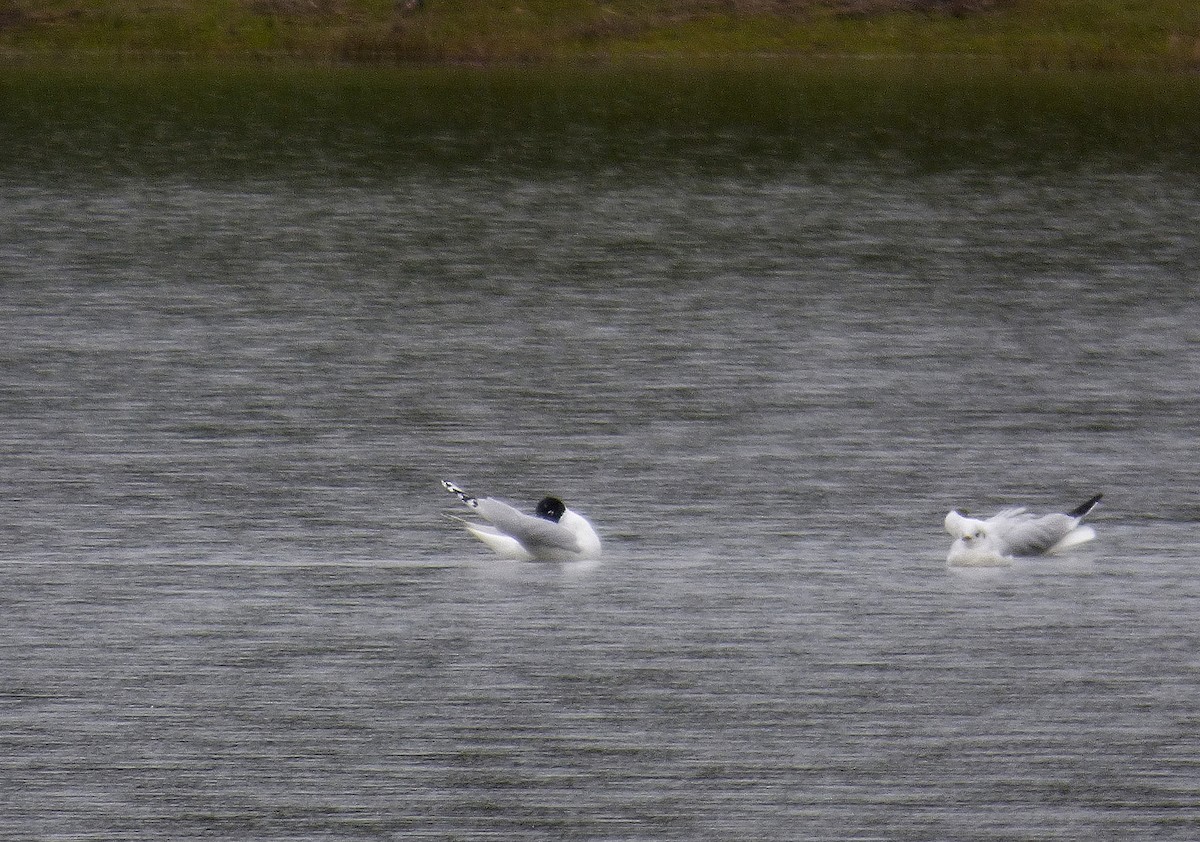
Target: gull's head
[(974, 536), (975, 549), (551, 509)]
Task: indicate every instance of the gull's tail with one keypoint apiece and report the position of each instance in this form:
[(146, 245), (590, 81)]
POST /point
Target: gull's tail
[(1082, 511), (460, 494)]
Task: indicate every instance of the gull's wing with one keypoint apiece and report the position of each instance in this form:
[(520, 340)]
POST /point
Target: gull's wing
[(534, 533), (505, 545), (1009, 514), (1032, 536), (1080, 512)]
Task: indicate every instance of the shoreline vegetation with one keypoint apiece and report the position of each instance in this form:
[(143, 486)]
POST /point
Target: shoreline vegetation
[(1108, 35)]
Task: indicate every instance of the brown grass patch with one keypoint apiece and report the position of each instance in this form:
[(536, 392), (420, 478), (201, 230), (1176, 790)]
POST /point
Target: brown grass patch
[(297, 8)]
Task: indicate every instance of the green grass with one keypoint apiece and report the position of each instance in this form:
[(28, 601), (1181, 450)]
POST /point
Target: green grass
[(62, 123), (1110, 34)]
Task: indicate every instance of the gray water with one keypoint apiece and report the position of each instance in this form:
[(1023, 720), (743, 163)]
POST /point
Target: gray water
[(233, 607)]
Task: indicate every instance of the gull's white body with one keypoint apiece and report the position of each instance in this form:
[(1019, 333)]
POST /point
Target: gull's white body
[(513, 534), (1015, 532)]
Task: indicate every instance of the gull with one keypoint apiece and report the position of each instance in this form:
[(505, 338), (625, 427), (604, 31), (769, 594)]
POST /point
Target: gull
[(1016, 532), (553, 533)]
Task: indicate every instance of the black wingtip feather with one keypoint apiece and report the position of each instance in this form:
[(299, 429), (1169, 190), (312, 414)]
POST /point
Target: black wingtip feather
[(1081, 511), (460, 494)]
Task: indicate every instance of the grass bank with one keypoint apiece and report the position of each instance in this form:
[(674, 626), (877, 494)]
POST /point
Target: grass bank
[(72, 125), (1061, 34)]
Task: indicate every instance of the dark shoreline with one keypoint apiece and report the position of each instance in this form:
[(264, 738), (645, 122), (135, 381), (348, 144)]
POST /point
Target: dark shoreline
[(1102, 35)]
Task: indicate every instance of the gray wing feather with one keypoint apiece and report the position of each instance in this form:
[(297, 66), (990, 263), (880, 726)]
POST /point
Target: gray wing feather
[(534, 533), (1033, 536)]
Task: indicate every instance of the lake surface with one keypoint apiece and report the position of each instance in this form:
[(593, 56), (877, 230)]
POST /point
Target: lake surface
[(241, 350)]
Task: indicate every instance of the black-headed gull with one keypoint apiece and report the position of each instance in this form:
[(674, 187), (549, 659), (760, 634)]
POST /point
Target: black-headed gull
[(1016, 532), (554, 533)]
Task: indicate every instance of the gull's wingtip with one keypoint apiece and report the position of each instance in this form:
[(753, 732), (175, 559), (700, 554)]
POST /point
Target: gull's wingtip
[(459, 493), (1082, 511)]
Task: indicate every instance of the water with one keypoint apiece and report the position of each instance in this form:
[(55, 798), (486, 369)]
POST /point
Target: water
[(232, 607)]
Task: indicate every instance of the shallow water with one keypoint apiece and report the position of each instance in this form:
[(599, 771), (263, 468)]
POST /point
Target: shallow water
[(234, 608)]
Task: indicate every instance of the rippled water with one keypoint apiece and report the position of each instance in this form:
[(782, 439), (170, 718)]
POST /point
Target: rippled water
[(233, 606)]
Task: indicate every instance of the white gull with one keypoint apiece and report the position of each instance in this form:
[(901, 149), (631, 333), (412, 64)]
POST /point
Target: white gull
[(1015, 532), (553, 533)]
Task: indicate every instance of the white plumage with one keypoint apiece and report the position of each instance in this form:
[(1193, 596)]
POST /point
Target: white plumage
[(1015, 532), (554, 533)]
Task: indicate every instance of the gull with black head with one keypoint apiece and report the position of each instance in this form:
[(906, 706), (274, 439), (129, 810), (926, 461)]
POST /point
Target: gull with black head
[(553, 533)]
